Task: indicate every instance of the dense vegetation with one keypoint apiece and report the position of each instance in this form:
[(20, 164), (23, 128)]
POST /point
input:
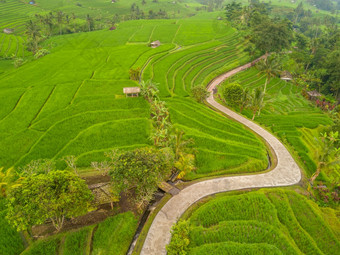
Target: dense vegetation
[(265, 221)]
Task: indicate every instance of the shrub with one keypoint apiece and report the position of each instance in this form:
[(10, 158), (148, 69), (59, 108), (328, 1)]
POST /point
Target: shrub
[(180, 239), (232, 93), (41, 53), (199, 93)]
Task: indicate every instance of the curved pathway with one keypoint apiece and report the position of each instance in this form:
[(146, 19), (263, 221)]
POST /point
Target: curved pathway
[(285, 173)]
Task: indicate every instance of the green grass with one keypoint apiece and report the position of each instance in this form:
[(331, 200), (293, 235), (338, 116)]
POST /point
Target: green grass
[(11, 242), (113, 236), (279, 221), (287, 114)]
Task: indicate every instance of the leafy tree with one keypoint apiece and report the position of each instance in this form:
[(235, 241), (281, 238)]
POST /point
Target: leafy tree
[(233, 10), (142, 170), (56, 195), (327, 154), (200, 93), (270, 67), (256, 103), (232, 93), (180, 239), (270, 36)]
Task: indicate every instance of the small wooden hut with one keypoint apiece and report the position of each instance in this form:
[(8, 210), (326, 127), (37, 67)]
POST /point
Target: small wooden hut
[(286, 76), (8, 31), (155, 44), (131, 91), (313, 95)]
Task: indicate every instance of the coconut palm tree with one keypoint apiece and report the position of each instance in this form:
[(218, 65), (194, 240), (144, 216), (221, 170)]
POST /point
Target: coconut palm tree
[(270, 67), (8, 179), (256, 103), (327, 154), (60, 20), (33, 33)]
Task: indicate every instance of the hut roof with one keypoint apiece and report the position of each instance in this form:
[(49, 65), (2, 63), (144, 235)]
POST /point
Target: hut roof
[(287, 76), (314, 93), (155, 44), (8, 30), (101, 192), (131, 90)]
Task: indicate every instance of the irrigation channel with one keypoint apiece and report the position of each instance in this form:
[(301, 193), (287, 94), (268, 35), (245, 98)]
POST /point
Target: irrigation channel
[(285, 173)]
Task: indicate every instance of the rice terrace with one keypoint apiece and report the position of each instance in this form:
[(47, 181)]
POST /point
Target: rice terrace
[(169, 127)]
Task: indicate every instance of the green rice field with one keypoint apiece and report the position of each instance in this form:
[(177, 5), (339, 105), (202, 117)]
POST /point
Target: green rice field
[(290, 116), (112, 236), (262, 222), (71, 103)]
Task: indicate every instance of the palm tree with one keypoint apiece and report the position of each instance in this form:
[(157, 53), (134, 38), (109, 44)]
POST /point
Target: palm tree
[(8, 179), (328, 154), (33, 33), (60, 20), (244, 99), (256, 103), (179, 144), (270, 67)]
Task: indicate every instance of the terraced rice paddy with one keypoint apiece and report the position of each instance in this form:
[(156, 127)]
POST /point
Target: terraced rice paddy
[(287, 113), (262, 222), (71, 103)]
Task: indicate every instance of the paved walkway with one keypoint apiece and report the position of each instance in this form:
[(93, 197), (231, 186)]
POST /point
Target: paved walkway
[(285, 173)]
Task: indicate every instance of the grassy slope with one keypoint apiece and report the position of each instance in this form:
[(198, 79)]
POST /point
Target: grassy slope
[(266, 221), (288, 115)]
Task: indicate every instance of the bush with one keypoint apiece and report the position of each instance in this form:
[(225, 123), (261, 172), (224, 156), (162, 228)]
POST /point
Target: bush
[(199, 93), (41, 53), (232, 93), (180, 239)]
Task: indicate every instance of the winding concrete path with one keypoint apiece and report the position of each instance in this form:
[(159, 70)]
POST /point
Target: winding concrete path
[(285, 173)]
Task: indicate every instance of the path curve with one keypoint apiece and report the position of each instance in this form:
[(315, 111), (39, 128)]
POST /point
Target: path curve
[(286, 173)]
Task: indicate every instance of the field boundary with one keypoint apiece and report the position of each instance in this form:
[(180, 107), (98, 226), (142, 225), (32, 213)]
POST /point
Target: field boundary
[(286, 173)]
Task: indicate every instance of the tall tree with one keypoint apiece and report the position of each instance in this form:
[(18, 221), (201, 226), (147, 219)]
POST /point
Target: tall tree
[(34, 36), (256, 103), (270, 68), (60, 21), (327, 154), (271, 36)]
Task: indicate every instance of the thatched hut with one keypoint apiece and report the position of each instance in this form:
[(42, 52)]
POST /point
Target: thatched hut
[(8, 31), (131, 91), (313, 95), (155, 44), (286, 76)]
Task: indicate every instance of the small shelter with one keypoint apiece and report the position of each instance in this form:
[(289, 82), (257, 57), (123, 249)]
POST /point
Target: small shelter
[(155, 44), (131, 91), (8, 31), (113, 28), (313, 95), (286, 76), (32, 2)]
